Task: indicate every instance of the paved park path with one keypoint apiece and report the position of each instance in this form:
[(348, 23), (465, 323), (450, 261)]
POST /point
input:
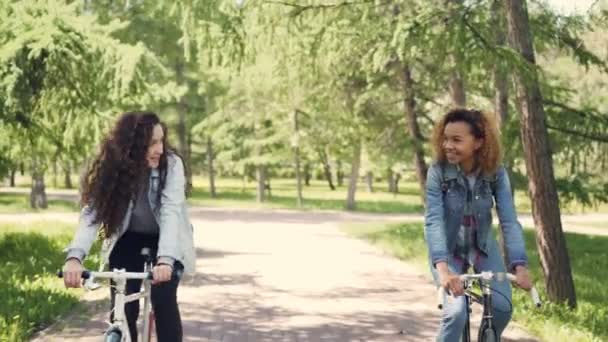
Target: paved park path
[(267, 275)]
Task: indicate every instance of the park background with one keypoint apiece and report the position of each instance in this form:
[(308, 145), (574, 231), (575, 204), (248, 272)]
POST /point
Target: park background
[(311, 105)]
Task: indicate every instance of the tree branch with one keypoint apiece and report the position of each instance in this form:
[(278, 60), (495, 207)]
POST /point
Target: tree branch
[(582, 113), (302, 8), (594, 137)]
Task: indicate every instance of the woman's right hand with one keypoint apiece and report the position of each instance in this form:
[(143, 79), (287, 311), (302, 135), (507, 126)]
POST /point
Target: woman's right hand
[(449, 281), (72, 273)]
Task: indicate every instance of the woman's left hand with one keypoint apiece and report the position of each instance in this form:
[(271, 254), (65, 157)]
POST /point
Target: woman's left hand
[(162, 273), (523, 278)]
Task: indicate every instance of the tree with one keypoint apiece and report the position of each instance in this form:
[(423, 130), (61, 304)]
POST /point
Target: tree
[(62, 73), (539, 163)]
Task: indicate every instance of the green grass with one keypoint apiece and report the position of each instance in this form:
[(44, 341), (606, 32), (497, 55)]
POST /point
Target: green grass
[(553, 322), (317, 196), (237, 193), (31, 295), (20, 203)]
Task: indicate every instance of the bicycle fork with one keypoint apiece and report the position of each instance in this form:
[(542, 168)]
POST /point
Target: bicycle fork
[(487, 304), (119, 302), (148, 323)]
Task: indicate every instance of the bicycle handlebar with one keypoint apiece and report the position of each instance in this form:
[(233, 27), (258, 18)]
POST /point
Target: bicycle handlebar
[(127, 275), (499, 276)]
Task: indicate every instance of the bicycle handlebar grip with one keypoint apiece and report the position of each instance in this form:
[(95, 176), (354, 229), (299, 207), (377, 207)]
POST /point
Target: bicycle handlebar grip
[(533, 293), (535, 297), (175, 275), (440, 297), (84, 275)]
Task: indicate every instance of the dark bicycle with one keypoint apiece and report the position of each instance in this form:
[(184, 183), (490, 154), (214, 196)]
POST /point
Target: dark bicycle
[(487, 331)]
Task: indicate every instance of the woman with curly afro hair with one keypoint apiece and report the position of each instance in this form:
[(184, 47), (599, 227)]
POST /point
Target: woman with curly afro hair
[(463, 184), (135, 194)]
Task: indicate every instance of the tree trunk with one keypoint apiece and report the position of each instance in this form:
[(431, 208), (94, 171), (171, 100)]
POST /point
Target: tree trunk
[(307, 174), (296, 151), (550, 238), (55, 175), (369, 180), (457, 88), (397, 177), (210, 168), (457, 91), (501, 98), (354, 176), (261, 189), (390, 178), (501, 82), (326, 169), (13, 174), (38, 198), (409, 105), (67, 179), (182, 129), (339, 173)]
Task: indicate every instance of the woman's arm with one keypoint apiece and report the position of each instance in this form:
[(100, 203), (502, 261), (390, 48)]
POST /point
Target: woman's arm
[(86, 234), (173, 198), (434, 221), (512, 230)]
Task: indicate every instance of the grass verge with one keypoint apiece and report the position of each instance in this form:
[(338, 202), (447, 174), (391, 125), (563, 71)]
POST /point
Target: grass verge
[(20, 203), (32, 296)]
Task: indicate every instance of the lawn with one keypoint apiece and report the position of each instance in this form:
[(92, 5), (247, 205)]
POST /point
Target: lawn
[(553, 322), (236, 192), (31, 294), (232, 192), (20, 203), (317, 196)]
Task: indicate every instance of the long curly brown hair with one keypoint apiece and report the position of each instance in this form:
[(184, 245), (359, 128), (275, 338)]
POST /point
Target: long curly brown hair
[(483, 126), (120, 169)]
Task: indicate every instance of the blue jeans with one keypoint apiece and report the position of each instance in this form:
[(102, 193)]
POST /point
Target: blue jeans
[(454, 311)]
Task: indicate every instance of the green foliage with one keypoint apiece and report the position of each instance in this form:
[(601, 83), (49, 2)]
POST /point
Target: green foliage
[(239, 74), (240, 193), (32, 296), (16, 203)]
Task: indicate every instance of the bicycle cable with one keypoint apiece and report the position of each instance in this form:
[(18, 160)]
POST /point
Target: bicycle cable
[(506, 298)]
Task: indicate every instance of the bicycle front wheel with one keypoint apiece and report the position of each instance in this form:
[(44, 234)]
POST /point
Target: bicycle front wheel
[(487, 334), (113, 336)]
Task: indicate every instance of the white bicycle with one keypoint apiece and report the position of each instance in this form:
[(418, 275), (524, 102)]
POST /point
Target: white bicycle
[(119, 329)]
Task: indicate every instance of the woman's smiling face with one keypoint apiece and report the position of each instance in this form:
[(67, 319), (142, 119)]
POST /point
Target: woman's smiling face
[(459, 144)]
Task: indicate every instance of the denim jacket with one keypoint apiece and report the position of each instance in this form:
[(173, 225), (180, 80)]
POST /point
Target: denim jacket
[(445, 198), (176, 232)]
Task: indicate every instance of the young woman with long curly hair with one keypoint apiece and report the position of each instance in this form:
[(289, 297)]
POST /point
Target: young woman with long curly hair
[(135, 193), (462, 185)]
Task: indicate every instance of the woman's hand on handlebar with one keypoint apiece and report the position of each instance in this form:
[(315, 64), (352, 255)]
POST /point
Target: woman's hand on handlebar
[(162, 273), (523, 278), (449, 281), (72, 273)]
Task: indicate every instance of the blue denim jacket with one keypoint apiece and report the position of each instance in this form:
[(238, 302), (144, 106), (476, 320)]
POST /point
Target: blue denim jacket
[(176, 232), (445, 198)]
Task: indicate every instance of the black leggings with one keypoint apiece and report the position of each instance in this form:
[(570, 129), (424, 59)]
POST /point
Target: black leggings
[(127, 254)]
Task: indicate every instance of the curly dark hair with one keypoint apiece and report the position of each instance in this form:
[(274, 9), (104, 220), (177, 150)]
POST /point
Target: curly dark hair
[(483, 126), (120, 169)]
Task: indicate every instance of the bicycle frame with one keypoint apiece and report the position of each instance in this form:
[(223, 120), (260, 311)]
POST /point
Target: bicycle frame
[(120, 278)]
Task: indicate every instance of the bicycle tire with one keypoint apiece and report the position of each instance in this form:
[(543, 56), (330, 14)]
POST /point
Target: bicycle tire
[(487, 335), (113, 336)]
